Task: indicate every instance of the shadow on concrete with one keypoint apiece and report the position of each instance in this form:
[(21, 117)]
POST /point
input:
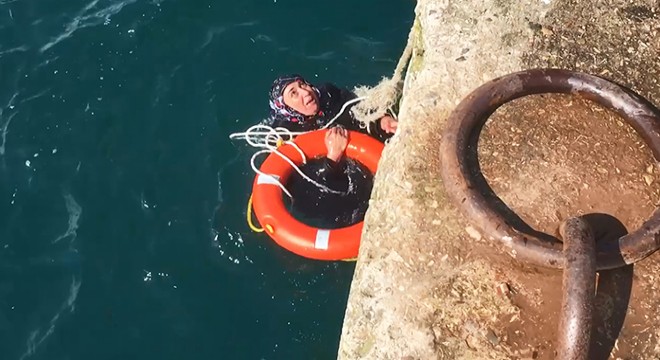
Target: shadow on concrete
[(612, 290), (480, 183)]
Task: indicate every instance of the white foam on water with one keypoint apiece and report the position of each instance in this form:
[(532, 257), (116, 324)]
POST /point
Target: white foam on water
[(46, 62), (70, 303), (144, 204), (87, 17), (247, 23), (35, 96), (13, 196), (211, 34), (74, 210), (5, 125), (37, 336), (153, 275), (21, 48), (264, 38), (323, 56), (215, 31), (363, 42), (230, 247)]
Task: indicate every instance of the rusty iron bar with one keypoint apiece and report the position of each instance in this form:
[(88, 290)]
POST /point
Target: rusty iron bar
[(579, 287), (465, 124)]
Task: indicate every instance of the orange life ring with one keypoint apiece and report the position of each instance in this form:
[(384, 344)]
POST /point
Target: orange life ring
[(291, 234)]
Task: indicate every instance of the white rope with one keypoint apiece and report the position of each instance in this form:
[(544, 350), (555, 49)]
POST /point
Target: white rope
[(384, 95), (343, 108), (261, 173), (302, 154), (277, 132), (267, 138), (290, 162)]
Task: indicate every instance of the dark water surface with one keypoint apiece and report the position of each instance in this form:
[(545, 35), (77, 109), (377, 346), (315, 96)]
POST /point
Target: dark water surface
[(122, 200)]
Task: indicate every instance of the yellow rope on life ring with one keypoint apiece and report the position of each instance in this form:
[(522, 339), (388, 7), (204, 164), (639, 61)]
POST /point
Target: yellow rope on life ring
[(256, 229), (249, 217)]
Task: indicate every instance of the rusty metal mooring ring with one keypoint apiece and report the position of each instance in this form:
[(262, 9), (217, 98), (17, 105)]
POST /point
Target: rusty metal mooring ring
[(579, 284), (465, 123)]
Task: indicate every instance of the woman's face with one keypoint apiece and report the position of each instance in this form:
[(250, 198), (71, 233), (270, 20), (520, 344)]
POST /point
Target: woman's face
[(301, 97)]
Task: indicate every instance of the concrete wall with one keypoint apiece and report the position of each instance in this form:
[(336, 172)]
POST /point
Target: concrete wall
[(427, 286)]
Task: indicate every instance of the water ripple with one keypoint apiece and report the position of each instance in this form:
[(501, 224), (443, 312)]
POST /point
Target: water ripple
[(231, 247), (215, 31), (5, 125), (21, 48), (37, 336), (74, 210), (328, 55), (68, 258), (211, 34), (35, 96), (85, 19), (4, 128)]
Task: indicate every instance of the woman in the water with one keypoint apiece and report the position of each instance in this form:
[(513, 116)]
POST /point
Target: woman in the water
[(297, 106), (300, 106)]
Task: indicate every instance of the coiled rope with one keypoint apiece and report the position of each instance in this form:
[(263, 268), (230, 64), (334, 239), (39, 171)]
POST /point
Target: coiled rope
[(269, 139)]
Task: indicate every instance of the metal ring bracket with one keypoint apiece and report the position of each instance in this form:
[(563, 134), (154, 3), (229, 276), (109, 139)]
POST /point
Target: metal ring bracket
[(465, 124)]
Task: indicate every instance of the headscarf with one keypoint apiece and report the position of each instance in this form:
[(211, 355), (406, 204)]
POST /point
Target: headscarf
[(276, 98)]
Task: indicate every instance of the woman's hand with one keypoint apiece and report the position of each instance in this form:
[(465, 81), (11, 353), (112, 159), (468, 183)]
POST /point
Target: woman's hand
[(388, 124), (336, 140)]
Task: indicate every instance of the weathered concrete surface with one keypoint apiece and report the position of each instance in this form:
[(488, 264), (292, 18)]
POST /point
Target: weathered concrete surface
[(426, 285)]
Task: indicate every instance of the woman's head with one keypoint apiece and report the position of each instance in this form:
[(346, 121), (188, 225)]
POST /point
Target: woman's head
[(294, 97)]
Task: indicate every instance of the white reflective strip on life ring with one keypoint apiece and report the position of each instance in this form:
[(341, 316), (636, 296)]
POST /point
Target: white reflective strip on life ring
[(268, 179), (322, 239)]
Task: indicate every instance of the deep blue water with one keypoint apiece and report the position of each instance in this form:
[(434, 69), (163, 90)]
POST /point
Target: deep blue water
[(122, 199)]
